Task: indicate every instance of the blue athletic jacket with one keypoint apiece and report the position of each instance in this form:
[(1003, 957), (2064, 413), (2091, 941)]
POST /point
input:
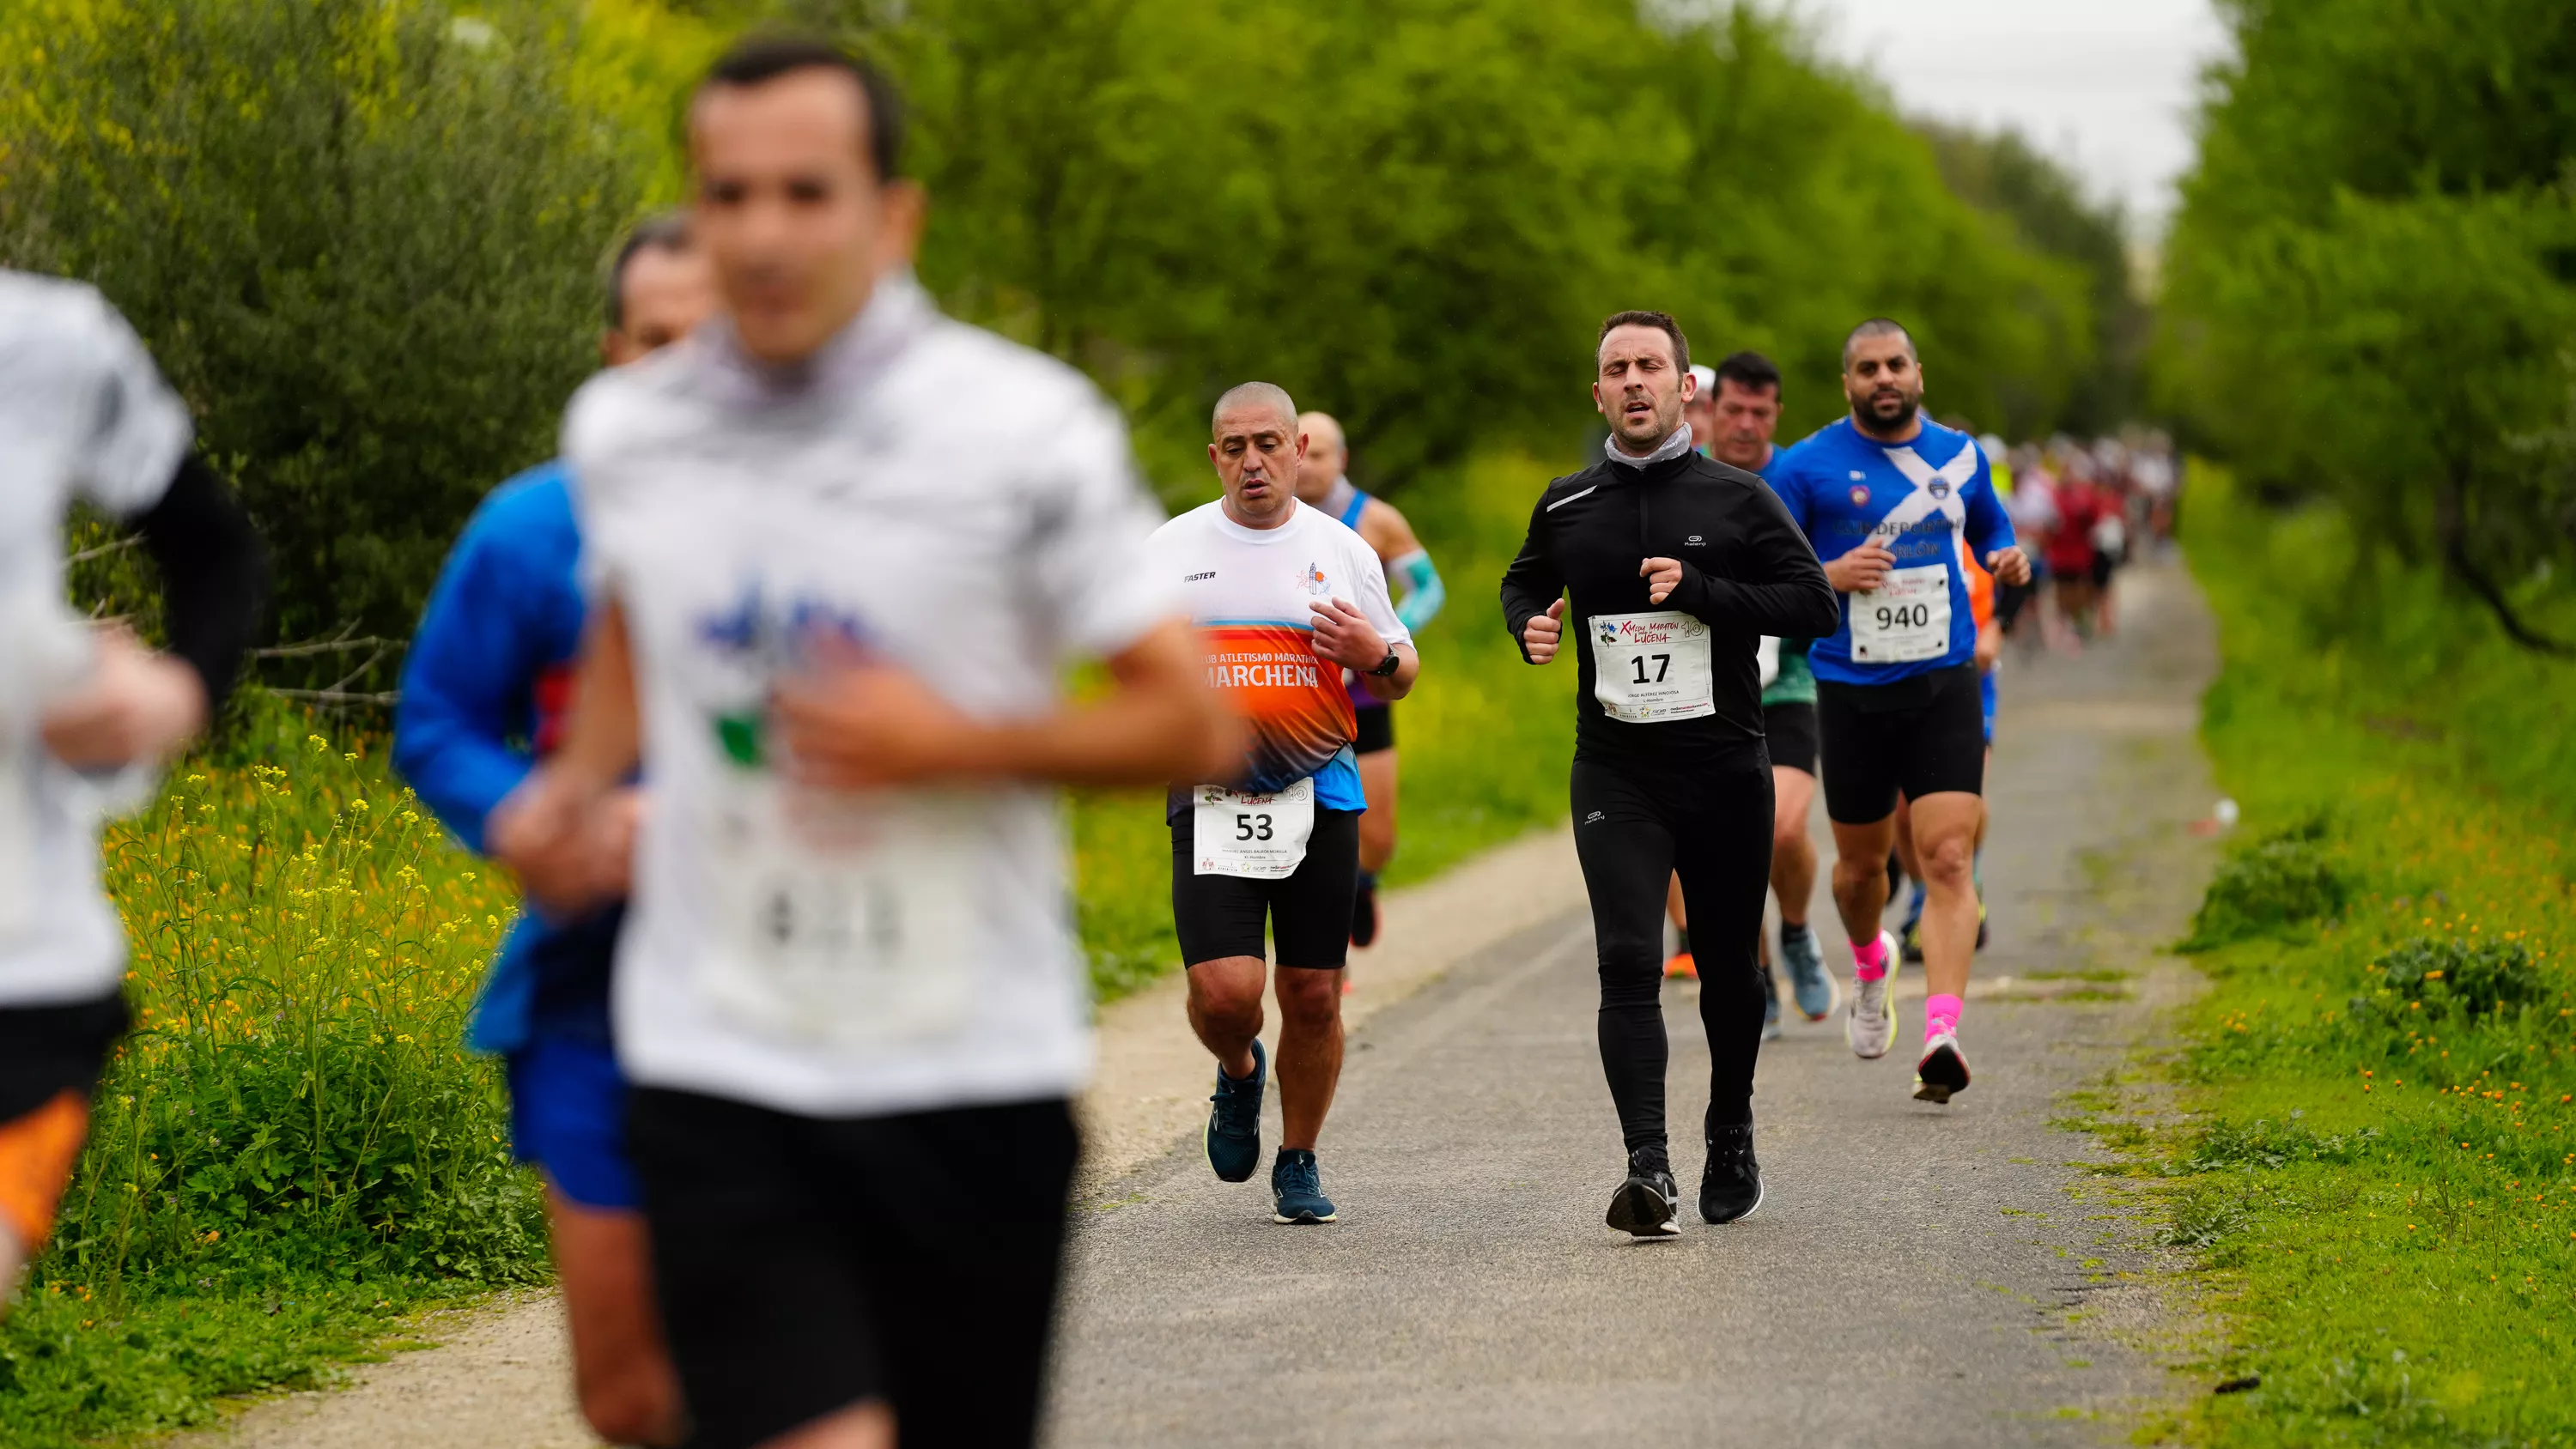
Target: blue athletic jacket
[(483, 696)]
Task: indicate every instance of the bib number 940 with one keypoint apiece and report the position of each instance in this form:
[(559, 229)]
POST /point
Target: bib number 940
[(1906, 617)]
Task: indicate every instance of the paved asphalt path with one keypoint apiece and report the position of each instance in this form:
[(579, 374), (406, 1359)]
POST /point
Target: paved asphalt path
[(1918, 1275)]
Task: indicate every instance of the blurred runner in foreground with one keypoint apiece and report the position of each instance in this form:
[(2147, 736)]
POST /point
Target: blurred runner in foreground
[(839, 549), (85, 415), (1287, 599), (491, 667), (1323, 482)]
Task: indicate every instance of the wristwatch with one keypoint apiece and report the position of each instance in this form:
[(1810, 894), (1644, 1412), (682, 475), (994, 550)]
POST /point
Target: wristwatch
[(1386, 667)]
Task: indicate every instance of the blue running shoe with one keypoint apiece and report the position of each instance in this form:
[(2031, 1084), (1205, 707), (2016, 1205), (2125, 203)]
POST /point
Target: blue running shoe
[(1817, 992), (1233, 1137), (1297, 1189)]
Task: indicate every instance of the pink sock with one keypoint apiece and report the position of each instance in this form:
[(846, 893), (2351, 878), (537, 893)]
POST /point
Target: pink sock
[(1871, 959), (1941, 1014)]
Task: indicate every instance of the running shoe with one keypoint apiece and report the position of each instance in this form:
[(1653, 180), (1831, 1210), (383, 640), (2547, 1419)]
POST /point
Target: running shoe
[(1233, 1137), (1649, 1203), (1770, 1002), (1297, 1189), (1942, 1071), (1814, 986), (1981, 924), (1871, 1027), (1909, 939), (1730, 1187), (1681, 966), (1364, 912)]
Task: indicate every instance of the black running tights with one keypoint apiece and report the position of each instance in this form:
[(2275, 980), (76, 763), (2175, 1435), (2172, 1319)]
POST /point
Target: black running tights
[(1633, 828)]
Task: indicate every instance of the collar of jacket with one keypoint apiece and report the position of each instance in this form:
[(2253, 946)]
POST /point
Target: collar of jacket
[(1675, 444)]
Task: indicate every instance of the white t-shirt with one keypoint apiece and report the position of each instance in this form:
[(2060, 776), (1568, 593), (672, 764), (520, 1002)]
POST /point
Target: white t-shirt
[(923, 489), (83, 414), (1250, 592)]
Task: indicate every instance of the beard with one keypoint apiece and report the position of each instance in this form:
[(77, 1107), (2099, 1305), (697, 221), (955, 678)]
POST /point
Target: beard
[(1885, 415)]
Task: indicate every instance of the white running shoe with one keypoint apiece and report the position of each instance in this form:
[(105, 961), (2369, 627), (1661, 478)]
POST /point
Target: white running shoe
[(1871, 1027)]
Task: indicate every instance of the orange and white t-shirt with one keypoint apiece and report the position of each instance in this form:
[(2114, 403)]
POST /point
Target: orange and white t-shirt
[(1251, 594)]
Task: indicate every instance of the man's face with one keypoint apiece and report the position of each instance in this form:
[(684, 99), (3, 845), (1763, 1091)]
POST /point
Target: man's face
[(790, 210), (1257, 452), (664, 294), (1640, 392), (1326, 457), (1883, 382), (1744, 419)]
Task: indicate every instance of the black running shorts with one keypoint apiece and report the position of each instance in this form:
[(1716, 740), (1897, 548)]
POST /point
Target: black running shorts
[(46, 1051), (1309, 913), (1922, 735), (1790, 730), (1376, 731), (806, 1265)]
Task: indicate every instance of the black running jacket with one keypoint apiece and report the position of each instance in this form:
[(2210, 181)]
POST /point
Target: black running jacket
[(1747, 571)]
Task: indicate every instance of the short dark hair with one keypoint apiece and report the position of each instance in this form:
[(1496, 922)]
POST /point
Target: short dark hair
[(1664, 320), (1750, 371), (1879, 327), (665, 232), (764, 58)]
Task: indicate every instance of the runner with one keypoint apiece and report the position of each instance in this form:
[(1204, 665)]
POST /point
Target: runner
[(1742, 416), (1675, 566), (84, 414), (1887, 493), (2073, 565), (1322, 482), (838, 549), (1286, 598), (491, 666)]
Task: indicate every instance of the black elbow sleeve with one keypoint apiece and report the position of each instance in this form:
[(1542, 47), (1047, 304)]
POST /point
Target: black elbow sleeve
[(214, 575)]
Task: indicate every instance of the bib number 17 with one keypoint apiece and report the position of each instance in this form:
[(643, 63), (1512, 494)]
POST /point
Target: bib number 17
[(1663, 666)]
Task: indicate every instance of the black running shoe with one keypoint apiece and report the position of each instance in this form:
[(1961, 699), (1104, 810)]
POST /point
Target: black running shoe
[(1364, 911), (1233, 1138), (1730, 1187), (1649, 1203), (1297, 1189), (1981, 925), (1943, 1072)]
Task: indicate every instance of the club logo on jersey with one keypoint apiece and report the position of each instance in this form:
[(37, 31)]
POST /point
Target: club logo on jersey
[(1860, 495), (1313, 579), (1939, 488)]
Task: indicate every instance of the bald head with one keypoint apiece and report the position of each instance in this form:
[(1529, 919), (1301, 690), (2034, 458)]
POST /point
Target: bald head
[(1247, 400), (1327, 456)]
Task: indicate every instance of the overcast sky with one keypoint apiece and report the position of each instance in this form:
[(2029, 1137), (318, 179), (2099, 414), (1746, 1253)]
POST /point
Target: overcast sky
[(2105, 84)]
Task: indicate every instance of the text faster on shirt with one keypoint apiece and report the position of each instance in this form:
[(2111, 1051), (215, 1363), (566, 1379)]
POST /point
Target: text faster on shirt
[(1251, 594), (1746, 571), (1917, 499)]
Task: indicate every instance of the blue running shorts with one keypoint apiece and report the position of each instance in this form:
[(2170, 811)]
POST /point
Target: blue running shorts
[(568, 1116)]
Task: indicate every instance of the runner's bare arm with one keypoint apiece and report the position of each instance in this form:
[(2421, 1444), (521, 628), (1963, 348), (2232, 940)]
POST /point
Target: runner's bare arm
[(1344, 636), (876, 724)]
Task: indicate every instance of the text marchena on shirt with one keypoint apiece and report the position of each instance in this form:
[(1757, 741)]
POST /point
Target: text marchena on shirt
[(1263, 671)]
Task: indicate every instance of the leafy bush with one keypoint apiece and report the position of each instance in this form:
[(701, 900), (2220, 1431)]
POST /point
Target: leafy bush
[(2278, 884), (363, 240), (2450, 977), (295, 1096)]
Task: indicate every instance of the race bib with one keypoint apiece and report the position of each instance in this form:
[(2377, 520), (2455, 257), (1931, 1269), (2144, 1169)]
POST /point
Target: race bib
[(1258, 837), (1651, 667), (843, 921), (1767, 654), (1905, 618)]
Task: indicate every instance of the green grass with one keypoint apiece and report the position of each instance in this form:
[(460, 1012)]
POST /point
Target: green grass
[(2379, 1185)]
